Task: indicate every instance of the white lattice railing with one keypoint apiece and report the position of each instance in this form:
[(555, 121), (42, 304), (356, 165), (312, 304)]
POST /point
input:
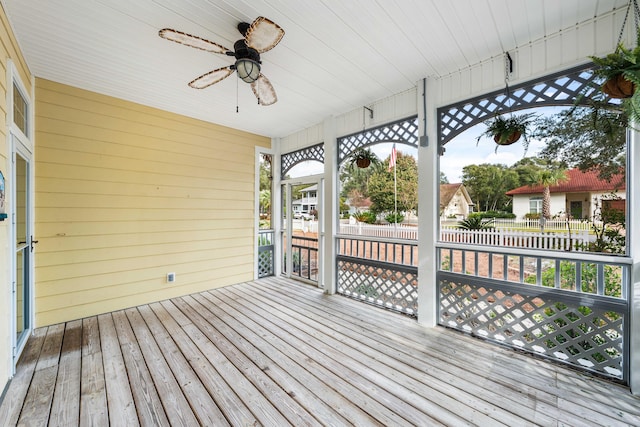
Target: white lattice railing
[(573, 308), (379, 271)]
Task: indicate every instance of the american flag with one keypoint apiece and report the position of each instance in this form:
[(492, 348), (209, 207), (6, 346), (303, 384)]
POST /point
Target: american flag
[(392, 158)]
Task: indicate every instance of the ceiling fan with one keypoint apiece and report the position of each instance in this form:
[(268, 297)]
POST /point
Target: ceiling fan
[(259, 36)]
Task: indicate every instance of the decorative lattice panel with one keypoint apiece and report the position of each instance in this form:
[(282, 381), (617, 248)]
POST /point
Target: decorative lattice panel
[(557, 89), (289, 160), (266, 253), (265, 261), (386, 285), (589, 338), (404, 132)]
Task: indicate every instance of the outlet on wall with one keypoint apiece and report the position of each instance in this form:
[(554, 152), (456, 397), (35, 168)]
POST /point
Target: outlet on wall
[(171, 277)]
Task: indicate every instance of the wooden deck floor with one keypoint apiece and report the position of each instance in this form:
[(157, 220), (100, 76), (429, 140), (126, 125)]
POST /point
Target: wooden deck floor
[(276, 353)]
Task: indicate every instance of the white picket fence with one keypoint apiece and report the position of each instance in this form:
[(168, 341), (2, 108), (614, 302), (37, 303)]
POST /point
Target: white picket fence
[(513, 223), (306, 225), (491, 236), (518, 239), (393, 231)]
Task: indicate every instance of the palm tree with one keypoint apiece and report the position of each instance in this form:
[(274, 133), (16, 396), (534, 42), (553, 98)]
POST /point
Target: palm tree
[(265, 201), (547, 178)]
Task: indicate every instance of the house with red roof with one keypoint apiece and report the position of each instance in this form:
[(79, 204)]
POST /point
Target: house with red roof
[(577, 196)]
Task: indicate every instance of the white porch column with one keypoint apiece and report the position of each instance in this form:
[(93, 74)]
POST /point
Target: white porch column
[(276, 205), (428, 203), (329, 206), (633, 229)]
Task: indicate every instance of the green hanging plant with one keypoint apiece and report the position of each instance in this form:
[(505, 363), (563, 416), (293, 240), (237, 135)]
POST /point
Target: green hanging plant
[(506, 130), (621, 71), (363, 157)]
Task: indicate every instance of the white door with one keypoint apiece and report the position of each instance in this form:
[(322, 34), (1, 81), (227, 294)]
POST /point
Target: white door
[(303, 232), (23, 243)]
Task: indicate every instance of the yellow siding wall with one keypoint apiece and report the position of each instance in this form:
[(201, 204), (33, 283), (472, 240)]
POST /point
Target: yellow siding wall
[(8, 49), (126, 194)]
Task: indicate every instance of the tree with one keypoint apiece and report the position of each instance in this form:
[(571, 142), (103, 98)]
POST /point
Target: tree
[(355, 180), (265, 172), (381, 185), (547, 178), (264, 197), (589, 138), (488, 183), (443, 178), (265, 201)]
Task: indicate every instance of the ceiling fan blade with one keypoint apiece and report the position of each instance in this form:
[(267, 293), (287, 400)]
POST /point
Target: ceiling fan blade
[(263, 90), (193, 41), (212, 77), (263, 34)]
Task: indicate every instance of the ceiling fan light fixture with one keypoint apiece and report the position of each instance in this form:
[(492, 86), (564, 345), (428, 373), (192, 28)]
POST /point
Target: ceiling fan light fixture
[(248, 69)]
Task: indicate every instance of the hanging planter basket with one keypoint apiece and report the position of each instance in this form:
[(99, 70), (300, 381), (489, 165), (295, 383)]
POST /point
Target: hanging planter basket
[(620, 69), (509, 139), (508, 129), (619, 87), (363, 157), (363, 163)]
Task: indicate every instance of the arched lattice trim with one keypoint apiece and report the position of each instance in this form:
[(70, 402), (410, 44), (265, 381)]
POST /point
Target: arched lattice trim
[(289, 160), (559, 89), (404, 131)]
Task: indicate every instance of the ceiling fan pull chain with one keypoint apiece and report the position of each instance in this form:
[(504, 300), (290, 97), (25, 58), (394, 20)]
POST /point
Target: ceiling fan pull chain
[(237, 102)]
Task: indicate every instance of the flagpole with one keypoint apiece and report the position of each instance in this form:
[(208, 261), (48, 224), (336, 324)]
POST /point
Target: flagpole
[(392, 164), (395, 201), (395, 192)]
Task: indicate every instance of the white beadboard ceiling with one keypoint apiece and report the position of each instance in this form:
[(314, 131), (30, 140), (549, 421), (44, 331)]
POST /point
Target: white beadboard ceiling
[(336, 55)]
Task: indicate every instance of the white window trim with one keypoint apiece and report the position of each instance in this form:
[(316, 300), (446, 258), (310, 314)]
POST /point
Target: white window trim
[(13, 77), (27, 143)]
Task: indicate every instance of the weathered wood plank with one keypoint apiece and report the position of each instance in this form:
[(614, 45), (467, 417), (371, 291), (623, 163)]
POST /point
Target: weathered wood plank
[(470, 360), (383, 406), (204, 407), (19, 387), (281, 399), (122, 408), (145, 395), (50, 352), (328, 406), (65, 409), (37, 403), (383, 391), (254, 399), (225, 397), (176, 405), (90, 336), (401, 331), (275, 352), (440, 383), (93, 394)]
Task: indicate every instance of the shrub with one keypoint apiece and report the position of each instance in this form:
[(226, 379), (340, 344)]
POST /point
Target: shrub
[(532, 216), (394, 218), (492, 214), (366, 217), (475, 223)]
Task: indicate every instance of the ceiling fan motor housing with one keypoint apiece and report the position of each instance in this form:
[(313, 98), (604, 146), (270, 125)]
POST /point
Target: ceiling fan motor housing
[(247, 61), (242, 51)]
